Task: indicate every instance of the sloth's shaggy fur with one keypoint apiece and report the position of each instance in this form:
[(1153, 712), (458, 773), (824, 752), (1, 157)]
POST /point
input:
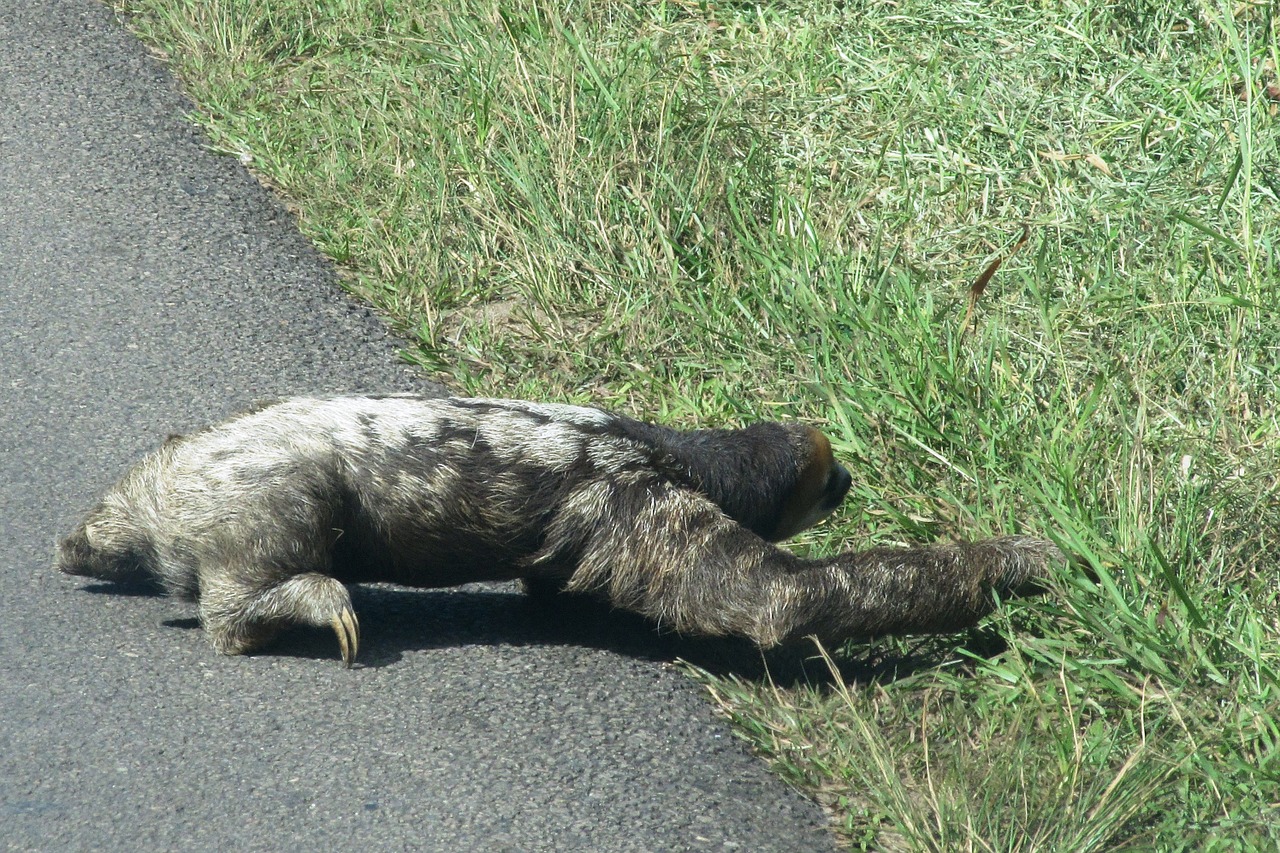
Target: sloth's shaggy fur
[(263, 520)]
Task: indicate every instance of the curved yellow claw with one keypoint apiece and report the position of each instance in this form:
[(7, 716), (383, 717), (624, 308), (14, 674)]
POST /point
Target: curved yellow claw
[(347, 627)]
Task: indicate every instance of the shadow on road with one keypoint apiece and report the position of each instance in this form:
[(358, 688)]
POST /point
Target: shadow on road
[(396, 620)]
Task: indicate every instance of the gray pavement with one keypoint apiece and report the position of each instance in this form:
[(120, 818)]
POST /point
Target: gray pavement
[(149, 286)]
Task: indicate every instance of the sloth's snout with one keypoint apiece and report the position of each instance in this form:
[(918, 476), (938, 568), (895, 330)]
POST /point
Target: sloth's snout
[(838, 483)]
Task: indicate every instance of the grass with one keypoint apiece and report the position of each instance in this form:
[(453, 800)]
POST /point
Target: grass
[(710, 213)]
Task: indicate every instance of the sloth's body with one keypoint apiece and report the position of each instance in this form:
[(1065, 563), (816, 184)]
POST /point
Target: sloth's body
[(264, 518)]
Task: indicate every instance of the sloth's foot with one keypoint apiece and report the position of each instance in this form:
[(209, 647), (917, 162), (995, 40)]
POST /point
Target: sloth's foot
[(239, 618), (1017, 565)]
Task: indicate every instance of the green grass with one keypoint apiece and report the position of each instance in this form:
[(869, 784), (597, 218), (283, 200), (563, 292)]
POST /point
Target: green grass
[(717, 212)]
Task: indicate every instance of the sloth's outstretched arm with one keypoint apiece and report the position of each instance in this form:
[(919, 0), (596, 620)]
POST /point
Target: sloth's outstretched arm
[(682, 563)]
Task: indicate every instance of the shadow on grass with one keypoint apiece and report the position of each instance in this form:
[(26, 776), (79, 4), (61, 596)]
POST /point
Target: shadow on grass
[(396, 620)]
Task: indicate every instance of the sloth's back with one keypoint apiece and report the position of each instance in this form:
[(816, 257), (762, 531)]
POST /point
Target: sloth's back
[(420, 491)]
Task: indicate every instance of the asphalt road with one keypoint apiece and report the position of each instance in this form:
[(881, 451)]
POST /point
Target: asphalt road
[(149, 286)]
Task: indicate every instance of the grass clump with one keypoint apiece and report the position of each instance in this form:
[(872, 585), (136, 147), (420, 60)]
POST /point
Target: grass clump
[(716, 212)]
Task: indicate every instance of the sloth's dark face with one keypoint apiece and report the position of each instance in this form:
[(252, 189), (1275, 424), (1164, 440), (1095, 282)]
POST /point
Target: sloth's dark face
[(820, 487), (831, 495)]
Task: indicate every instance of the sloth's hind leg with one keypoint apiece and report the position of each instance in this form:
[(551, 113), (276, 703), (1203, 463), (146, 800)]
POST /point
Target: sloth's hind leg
[(239, 618)]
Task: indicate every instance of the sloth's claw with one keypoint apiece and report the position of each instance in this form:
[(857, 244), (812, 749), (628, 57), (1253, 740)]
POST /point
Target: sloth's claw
[(347, 628)]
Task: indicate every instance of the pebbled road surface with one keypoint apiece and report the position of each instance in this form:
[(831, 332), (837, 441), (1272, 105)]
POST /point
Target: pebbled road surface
[(148, 286)]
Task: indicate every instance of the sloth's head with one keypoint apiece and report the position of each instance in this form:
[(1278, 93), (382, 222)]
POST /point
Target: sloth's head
[(774, 479), (819, 487)]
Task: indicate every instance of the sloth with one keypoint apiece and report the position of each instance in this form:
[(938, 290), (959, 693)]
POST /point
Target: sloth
[(264, 519)]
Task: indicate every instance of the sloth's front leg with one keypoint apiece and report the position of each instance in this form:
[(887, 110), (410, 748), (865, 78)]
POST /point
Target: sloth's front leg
[(684, 564)]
